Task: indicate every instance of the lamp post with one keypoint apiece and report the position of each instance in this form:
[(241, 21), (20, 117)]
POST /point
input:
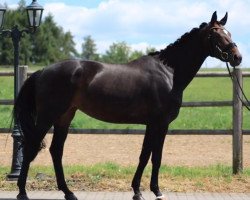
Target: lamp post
[(34, 13)]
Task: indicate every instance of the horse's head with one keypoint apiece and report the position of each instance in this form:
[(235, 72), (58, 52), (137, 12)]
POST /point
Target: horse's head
[(220, 43)]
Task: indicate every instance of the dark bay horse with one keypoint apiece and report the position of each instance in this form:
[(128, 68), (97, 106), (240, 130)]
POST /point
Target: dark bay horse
[(145, 91)]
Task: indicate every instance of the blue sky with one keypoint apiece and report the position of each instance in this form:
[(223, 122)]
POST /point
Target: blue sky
[(143, 23)]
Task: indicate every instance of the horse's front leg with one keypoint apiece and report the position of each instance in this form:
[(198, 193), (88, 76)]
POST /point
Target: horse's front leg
[(157, 148), (144, 157)]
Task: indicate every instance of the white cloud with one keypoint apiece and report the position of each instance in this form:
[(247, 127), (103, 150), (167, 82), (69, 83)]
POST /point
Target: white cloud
[(153, 22), (131, 19)]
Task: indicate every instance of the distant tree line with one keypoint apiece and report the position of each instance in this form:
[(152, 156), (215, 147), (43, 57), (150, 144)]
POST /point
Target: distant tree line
[(119, 52), (51, 44)]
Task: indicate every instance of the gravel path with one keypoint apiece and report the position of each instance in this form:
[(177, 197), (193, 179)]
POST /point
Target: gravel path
[(125, 150)]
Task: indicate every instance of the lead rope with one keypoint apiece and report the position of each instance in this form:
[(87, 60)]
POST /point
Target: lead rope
[(247, 103)]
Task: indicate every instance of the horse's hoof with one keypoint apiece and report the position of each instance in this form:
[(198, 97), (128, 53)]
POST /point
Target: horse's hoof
[(138, 197), (162, 197), (70, 197), (22, 197)]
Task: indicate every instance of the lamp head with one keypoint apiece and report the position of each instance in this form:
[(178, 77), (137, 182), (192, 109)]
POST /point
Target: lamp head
[(2, 12), (34, 12)]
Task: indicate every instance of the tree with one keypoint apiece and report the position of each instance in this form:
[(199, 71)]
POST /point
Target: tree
[(135, 54), (89, 49), (117, 53), (68, 46), (51, 44), (150, 50)]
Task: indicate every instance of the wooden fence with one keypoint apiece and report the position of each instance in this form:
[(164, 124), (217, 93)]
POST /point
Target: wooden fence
[(235, 103)]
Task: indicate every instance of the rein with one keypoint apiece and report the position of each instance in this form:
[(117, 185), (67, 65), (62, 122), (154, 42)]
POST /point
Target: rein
[(247, 103)]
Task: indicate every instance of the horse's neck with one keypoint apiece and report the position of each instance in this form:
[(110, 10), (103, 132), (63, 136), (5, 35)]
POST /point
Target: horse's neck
[(186, 62)]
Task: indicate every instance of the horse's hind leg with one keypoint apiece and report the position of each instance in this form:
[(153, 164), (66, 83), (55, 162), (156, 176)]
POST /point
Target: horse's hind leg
[(31, 148), (56, 150), (29, 153)]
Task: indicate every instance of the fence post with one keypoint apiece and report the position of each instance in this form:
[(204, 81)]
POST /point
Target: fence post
[(237, 121), (17, 156), (23, 73)]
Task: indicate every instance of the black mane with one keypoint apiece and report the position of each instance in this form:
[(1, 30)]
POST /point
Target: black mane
[(179, 42)]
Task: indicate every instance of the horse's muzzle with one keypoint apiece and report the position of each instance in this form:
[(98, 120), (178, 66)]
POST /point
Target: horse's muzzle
[(235, 59), (233, 55)]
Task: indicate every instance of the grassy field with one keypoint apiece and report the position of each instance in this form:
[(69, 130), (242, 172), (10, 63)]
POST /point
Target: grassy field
[(112, 177), (200, 89)]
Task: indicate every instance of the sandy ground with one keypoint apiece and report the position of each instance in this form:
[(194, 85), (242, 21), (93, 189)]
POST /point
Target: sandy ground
[(125, 150)]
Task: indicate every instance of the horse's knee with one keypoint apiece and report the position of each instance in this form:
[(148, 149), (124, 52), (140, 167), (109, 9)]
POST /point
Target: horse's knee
[(53, 150), (156, 162), (144, 157), (56, 151), (31, 152)]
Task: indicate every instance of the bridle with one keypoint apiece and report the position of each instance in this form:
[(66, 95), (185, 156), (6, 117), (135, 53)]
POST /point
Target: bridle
[(224, 53)]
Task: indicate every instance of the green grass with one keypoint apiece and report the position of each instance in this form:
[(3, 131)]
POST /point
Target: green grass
[(110, 176), (113, 170), (209, 89), (6, 88), (200, 172), (200, 89)]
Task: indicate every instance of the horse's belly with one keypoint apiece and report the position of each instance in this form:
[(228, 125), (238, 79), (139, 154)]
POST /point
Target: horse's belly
[(116, 112)]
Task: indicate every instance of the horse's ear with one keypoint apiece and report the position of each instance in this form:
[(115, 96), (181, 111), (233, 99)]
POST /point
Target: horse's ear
[(223, 21), (214, 18)]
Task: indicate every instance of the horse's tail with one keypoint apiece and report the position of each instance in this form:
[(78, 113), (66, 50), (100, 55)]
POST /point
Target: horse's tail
[(24, 111)]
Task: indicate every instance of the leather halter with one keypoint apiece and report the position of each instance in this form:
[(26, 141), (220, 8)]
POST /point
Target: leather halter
[(224, 53)]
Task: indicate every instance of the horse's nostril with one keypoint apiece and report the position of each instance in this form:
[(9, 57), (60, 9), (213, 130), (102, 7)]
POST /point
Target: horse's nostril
[(237, 58)]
